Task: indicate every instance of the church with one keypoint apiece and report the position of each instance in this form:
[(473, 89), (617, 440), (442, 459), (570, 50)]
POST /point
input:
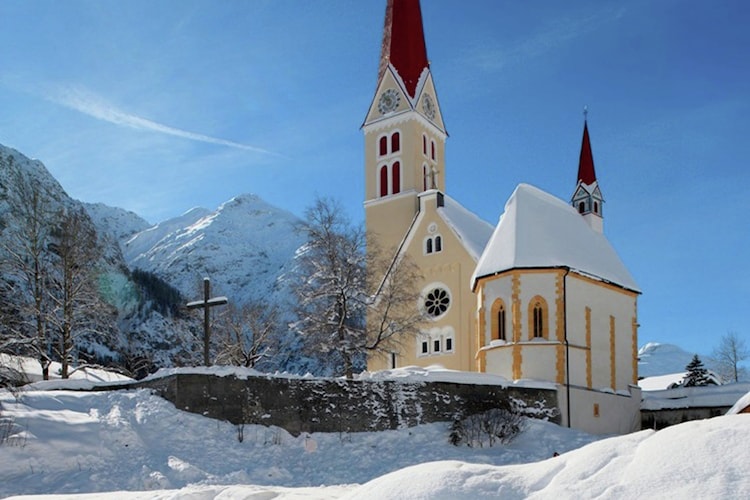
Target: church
[(541, 296)]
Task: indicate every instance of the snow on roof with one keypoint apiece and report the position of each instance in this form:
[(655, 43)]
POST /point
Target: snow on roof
[(661, 382), (740, 405), (709, 396), (540, 230), (473, 232)]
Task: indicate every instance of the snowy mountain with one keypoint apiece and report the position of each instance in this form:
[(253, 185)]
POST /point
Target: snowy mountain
[(115, 223), (125, 326), (662, 359), (245, 246)]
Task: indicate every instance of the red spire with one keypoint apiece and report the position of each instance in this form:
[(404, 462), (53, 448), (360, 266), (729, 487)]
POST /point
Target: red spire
[(403, 42), (586, 173)]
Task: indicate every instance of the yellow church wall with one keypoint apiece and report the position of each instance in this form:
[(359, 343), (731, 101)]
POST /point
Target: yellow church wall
[(389, 218), (450, 269)]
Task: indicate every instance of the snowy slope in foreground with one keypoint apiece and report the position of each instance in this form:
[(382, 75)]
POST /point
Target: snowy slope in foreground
[(135, 445)]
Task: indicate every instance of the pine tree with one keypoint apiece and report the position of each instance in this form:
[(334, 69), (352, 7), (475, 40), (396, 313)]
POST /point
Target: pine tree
[(697, 375)]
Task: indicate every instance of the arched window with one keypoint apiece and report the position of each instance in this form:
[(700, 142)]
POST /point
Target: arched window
[(424, 145), (383, 146), (424, 177), (384, 180), (538, 319), (432, 150), (538, 322), (499, 329), (396, 177), (596, 207), (581, 207), (433, 244), (395, 142)]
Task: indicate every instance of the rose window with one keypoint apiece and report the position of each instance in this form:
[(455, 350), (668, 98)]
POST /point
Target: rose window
[(436, 302)]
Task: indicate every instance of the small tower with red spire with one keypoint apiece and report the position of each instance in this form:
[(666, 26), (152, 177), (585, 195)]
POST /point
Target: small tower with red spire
[(587, 197)]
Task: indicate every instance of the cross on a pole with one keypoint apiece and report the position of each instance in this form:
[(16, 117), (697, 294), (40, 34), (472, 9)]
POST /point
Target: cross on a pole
[(206, 304)]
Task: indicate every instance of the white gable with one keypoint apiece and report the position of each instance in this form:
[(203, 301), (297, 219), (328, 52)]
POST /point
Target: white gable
[(539, 230)]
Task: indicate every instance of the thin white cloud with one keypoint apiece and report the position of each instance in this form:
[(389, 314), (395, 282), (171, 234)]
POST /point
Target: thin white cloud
[(87, 102), (545, 40)]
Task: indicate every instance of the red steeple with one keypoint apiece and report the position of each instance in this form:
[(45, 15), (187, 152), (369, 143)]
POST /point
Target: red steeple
[(586, 173), (403, 42)]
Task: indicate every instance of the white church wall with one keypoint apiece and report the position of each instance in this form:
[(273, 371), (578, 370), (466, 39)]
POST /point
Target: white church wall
[(605, 302), (500, 361), (600, 412)]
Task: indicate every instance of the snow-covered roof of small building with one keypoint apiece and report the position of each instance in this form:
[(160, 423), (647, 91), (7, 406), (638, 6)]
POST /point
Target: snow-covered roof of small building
[(539, 230), (741, 404), (473, 232)]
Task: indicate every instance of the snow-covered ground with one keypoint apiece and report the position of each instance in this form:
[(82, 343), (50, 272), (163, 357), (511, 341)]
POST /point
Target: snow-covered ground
[(132, 444)]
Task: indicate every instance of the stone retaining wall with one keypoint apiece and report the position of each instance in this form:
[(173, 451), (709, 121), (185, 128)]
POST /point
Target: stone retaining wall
[(337, 405)]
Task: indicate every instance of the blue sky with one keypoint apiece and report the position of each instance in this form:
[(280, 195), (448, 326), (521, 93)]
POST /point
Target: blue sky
[(160, 106)]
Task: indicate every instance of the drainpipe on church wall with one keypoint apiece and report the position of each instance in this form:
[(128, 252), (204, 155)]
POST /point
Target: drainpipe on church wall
[(567, 344)]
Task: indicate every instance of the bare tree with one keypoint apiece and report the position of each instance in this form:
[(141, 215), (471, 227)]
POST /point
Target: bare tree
[(344, 304), (249, 333), (73, 289), (26, 261), (728, 356), (392, 314), (331, 290)]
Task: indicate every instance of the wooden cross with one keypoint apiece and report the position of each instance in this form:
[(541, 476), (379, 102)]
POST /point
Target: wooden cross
[(206, 304)]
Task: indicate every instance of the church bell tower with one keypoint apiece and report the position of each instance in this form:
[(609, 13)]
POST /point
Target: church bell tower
[(404, 131)]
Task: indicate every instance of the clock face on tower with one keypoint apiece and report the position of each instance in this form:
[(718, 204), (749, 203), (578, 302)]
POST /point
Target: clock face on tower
[(428, 106), (389, 101)]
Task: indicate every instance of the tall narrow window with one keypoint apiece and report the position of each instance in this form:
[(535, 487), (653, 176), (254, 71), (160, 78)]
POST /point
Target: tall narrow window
[(396, 177), (498, 320), (538, 318), (438, 243), (538, 322), (581, 207), (383, 146), (596, 207), (395, 142), (501, 324), (424, 145), (424, 177), (384, 181), (428, 245), (432, 149)]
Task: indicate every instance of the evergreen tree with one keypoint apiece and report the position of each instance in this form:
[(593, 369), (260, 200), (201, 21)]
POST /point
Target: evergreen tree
[(697, 375)]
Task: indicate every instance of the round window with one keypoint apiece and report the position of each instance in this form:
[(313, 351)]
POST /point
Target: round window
[(436, 302)]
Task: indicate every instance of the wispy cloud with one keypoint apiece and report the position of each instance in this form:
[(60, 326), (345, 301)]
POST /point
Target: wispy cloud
[(87, 102), (546, 39)]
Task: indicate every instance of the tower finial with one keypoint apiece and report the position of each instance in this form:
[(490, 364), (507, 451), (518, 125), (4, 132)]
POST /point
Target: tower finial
[(585, 112)]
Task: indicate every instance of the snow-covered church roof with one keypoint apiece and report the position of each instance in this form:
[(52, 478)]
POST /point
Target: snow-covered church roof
[(539, 230), (472, 231)]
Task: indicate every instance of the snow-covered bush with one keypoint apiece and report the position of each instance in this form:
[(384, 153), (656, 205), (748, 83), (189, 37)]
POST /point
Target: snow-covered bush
[(495, 426)]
